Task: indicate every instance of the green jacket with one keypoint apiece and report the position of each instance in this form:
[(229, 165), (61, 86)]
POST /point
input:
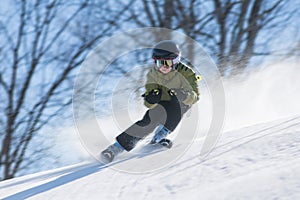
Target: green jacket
[(183, 77)]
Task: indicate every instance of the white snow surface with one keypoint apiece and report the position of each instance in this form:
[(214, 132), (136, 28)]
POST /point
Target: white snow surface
[(256, 162)]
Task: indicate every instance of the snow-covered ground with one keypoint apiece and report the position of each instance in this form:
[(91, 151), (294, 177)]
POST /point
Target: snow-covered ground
[(255, 162)]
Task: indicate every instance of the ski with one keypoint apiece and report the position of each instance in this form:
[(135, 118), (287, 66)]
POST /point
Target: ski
[(107, 157)]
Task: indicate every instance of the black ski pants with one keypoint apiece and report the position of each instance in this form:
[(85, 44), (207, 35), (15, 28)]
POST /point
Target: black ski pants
[(167, 113)]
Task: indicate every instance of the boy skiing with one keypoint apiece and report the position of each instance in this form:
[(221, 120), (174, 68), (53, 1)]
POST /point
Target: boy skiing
[(171, 89)]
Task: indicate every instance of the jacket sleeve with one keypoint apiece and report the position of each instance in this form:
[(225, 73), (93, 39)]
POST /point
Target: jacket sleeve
[(190, 84), (149, 86)]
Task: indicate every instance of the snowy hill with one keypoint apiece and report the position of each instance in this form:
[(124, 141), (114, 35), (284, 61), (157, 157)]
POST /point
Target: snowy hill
[(256, 162)]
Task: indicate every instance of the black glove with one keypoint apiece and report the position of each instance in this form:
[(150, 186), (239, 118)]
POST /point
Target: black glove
[(153, 96), (180, 94)]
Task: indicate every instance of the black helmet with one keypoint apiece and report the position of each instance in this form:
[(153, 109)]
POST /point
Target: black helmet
[(166, 49)]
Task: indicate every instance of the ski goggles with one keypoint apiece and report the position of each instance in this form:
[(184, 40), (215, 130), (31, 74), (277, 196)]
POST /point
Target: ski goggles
[(165, 62)]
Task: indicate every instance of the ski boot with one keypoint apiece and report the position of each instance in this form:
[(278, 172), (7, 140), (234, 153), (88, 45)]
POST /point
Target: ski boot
[(160, 137), (111, 152)]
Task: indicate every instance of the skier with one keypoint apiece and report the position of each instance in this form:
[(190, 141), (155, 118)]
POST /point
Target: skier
[(171, 89)]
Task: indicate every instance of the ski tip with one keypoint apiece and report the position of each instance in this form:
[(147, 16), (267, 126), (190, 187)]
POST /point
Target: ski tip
[(106, 157), (166, 143)]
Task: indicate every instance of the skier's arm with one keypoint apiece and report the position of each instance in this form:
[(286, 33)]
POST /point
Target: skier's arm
[(193, 91), (150, 86), (190, 85)]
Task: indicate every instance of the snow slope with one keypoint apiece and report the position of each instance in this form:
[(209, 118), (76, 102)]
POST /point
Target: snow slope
[(255, 162)]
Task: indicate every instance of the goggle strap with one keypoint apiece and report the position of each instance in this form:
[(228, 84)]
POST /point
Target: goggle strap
[(176, 60)]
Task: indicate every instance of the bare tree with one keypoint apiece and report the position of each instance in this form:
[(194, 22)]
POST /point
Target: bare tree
[(240, 25), (42, 44), (230, 30)]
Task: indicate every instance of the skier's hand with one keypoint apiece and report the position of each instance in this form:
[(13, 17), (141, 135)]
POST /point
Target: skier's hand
[(153, 96), (180, 94)]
